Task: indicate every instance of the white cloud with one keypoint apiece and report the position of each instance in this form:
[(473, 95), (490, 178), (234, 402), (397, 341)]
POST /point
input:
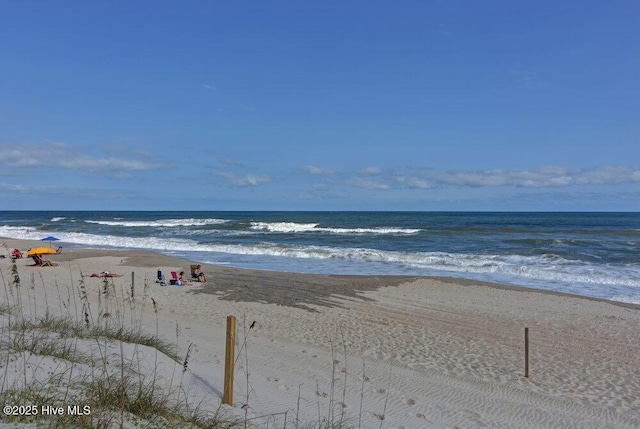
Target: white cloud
[(19, 189), (370, 171), (93, 164), (609, 175), (61, 155), (545, 177), (412, 182), (47, 191), (542, 177), (252, 180), (367, 184), (244, 180), (417, 183), (318, 171)]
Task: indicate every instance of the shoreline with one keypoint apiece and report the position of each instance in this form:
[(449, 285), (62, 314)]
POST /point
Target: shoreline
[(233, 281), (439, 352)]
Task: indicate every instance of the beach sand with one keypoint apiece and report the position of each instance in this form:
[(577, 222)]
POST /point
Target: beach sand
[(376, 351)]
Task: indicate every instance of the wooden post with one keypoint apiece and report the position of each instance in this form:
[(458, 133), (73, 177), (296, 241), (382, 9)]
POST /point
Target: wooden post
[(526, 352), (229, 360), (133, 276)]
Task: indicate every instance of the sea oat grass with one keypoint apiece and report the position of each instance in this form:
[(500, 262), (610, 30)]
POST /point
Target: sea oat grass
[(60, 324), (5, 309), (122, 392), (135, 336), (146, 402), (33, 396), (42, 343), (327, 424), (68, 328)]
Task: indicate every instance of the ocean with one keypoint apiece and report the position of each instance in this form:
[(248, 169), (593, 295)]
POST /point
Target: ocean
[(589, 254)]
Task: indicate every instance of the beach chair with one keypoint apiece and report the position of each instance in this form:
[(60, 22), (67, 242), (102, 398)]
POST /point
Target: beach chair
[(193, 271), (160, 278), (39, 261), (174, 278)]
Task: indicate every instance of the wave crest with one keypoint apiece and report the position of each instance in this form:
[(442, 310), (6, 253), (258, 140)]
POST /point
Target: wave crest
[(292, 227), (160, 223)]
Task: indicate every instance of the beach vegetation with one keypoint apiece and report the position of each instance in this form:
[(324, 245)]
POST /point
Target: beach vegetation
[(82, 347), (53, 356), (5, 309)]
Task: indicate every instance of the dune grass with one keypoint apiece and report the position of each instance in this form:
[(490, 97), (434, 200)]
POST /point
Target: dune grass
[(63, 355)]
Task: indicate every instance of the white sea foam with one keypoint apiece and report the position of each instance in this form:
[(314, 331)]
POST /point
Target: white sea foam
[(626, 299), (555, 272), (161, 222), (284, 227), (57, 219), (292, 227), (20, 232), (549, 268), (381, 230)]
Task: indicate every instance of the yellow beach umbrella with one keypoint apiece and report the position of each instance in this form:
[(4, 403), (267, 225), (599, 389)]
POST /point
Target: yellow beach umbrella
[(41, 251)]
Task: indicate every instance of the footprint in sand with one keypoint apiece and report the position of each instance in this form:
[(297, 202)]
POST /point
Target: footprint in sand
[(409, 401), (418, 416), (380, 391), (283, 387), (273, 379)]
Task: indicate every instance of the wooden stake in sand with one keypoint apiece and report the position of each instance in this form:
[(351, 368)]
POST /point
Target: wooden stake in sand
[(526, 352), (227, 396)]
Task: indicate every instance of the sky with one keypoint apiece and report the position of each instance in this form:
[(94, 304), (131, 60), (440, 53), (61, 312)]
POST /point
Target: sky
[(494, 105)]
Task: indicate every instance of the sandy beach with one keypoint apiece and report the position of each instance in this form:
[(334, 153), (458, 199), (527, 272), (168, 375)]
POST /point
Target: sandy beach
[(385, 351)]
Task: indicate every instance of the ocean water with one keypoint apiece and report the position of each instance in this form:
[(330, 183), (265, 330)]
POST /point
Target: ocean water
[(590, 254)]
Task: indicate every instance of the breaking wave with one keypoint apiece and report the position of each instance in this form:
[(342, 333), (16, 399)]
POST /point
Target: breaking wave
[(292, 227), (549, 268), (160, 223)]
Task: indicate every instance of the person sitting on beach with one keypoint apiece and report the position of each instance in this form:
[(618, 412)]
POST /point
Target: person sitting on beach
[(48, 263), (105, 274), (199, 274), (39, 261), (181, 280), (16, 254), (59, 249)]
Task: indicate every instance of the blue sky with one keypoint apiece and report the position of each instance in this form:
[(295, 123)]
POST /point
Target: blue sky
[(332, 105)]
